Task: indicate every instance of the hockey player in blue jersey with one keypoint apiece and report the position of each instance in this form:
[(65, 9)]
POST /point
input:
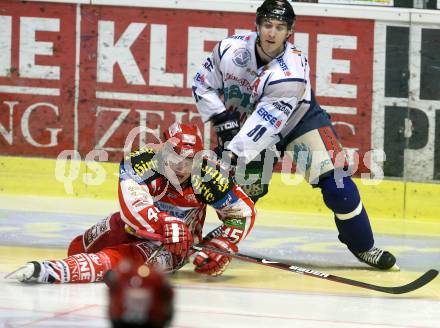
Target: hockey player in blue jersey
[(255, 90)]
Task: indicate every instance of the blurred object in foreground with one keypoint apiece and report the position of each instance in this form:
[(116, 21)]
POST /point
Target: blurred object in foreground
[(140, 297)]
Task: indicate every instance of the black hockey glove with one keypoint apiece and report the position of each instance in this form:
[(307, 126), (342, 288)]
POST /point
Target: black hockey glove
[(226, 125)]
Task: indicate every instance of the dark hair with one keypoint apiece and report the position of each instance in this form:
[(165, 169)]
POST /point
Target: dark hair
[(276, 9)]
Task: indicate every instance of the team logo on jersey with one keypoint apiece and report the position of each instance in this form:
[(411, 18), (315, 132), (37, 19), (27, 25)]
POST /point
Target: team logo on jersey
[(241, 57)]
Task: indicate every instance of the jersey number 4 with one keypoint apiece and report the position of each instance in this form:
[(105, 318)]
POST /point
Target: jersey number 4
[(152, 213), (256, 132)]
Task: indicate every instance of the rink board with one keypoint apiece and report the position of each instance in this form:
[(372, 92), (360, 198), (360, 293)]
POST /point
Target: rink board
[(383, 199)]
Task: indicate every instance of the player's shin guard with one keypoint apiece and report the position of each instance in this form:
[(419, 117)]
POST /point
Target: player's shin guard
[(85, 267), (350, 215)]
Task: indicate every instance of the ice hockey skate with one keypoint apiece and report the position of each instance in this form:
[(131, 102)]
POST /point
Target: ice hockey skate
[(35, 272), (378, 258)]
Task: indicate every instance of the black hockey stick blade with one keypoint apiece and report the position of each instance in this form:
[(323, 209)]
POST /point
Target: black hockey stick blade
[(413, 285), (416, 284)]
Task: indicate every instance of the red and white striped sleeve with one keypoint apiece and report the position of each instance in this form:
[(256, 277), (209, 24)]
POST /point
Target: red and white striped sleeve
[(137, 206)]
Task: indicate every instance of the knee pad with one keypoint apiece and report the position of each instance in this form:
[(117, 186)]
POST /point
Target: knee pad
[(76, 246), (350, 216), (345, 202)]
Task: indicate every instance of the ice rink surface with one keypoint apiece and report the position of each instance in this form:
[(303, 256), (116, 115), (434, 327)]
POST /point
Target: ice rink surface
[(247, 295)]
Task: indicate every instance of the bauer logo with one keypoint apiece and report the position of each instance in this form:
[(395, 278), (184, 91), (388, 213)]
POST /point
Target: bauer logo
[(308, 271), (241, 57)]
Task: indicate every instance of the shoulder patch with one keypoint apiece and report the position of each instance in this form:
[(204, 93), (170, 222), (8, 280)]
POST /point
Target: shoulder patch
[(144, 162), (143, 150), (210, 182), (241, 57)]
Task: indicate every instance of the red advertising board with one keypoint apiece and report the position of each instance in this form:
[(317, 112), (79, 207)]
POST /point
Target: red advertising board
[(135, 67), (37, 69)]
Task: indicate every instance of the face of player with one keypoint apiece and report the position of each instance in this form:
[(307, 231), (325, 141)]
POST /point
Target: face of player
[(273, 33), (182, 169), (178, 167)]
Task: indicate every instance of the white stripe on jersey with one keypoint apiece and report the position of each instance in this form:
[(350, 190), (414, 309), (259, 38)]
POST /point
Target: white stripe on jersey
[(131, 191)]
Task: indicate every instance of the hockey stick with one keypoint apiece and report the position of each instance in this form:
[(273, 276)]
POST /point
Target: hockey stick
[(416, 284)]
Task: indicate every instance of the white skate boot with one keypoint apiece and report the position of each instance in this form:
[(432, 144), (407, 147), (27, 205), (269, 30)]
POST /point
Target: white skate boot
[(35, 272)]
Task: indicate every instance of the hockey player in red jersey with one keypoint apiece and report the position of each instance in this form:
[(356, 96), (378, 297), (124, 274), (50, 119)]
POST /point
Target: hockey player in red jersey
[(164, 191)]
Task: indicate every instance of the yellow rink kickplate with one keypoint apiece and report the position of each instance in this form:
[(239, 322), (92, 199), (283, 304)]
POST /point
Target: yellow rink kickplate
[(382, 199)]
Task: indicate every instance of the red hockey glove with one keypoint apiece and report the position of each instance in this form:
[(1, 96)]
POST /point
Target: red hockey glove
[(211, 263), (177, 238)]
